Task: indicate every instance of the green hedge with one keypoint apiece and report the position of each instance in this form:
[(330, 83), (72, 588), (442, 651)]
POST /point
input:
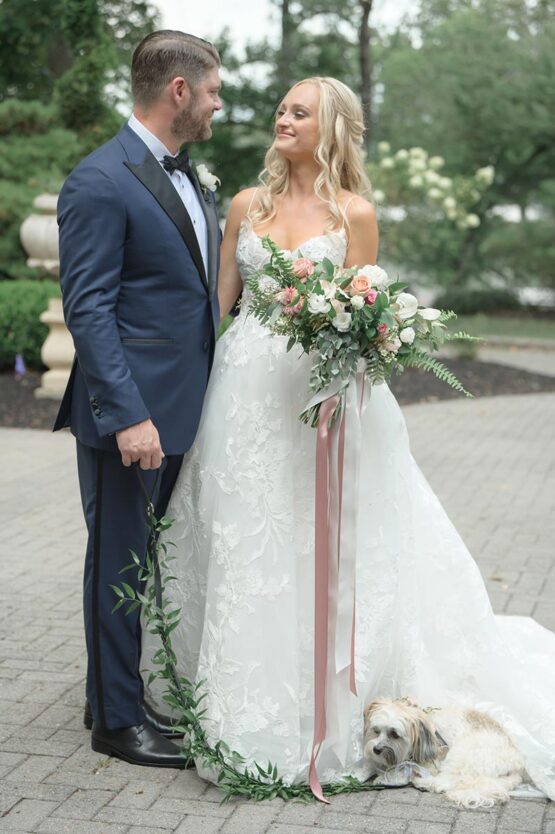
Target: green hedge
[(21, 303), (466, 302)]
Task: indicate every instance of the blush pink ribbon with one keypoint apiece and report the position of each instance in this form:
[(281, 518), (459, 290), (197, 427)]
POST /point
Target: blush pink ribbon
[(336, 500)]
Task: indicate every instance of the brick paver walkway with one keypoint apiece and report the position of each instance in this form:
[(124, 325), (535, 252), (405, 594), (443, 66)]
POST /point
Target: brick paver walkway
[(491, 461)]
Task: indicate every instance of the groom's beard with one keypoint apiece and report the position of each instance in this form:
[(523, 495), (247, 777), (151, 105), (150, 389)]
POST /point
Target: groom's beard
[(192, 125)]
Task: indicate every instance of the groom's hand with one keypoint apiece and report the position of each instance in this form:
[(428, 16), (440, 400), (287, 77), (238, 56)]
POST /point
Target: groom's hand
[(140, 444)]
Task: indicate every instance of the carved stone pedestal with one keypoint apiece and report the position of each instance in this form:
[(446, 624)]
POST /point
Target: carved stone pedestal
[(39, 236)]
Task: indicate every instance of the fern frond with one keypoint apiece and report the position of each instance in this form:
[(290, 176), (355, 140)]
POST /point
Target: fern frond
[(461, 336), (426, 363)]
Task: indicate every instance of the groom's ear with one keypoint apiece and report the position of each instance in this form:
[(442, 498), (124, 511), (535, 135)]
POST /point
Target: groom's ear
[(180, 89)]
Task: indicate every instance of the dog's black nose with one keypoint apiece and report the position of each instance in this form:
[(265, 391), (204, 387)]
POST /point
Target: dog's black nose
[(378, 748)]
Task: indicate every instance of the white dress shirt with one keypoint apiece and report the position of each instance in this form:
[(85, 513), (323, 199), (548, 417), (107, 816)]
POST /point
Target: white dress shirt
[(180, 181)]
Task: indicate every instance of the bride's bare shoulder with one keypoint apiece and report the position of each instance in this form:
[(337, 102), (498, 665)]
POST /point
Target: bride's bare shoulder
[(239, 207), (359, 211), (243, 201), (363, 235)]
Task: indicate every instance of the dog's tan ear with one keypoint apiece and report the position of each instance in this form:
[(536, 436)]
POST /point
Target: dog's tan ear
[(369, 708), (426, 743)]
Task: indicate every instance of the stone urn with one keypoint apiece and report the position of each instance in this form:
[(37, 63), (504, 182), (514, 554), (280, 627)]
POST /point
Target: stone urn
[(39, 236)]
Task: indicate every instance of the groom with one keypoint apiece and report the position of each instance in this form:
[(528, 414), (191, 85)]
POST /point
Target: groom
[(139, 244)]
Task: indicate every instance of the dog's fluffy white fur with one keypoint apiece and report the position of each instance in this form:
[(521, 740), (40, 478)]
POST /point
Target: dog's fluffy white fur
[(471, 758)]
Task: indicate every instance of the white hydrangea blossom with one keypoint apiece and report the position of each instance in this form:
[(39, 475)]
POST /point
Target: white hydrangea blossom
[(485, 175), (472, 221), (436, 162)]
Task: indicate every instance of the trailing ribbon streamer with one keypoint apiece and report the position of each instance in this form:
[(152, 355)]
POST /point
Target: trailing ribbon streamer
[(336, 503)]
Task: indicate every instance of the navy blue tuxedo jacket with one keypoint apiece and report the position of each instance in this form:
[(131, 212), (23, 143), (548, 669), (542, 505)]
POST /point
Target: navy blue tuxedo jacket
[(141, 308)]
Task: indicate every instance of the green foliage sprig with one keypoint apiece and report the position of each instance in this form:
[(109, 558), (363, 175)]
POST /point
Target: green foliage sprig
[(161, 617)]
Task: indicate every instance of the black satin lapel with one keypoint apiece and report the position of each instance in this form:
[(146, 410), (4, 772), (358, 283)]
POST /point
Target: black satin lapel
[(154, 178), (213, 228)]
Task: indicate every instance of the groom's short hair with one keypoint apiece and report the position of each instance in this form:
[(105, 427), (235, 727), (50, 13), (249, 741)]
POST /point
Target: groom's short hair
[(166, 54)]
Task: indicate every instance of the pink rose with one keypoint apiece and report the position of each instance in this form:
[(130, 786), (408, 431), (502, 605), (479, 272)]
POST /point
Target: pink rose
[(287, 296), (382, 329), (371, 297), (360, 285), (302, 268), (296, 308), (291, 299)]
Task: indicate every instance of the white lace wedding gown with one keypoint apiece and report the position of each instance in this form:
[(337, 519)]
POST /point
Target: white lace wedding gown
[(243, 507)]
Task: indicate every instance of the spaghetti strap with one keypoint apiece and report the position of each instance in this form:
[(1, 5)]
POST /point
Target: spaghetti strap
[(349, 201), (344, 227), (251, 202)]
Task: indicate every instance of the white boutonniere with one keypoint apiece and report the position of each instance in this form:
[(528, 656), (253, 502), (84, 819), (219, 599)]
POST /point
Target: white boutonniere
[(208, 180)]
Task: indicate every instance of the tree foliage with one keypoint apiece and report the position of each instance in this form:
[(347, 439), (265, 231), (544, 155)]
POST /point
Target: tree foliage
[(473, 82)]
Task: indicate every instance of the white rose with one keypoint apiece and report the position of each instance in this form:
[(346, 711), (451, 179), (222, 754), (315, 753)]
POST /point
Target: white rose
[(429, 313), (472, 221), (435, 194), (342, 322), (318, 304), (436, 162), (449, 203), (377, 276), (416, 181), (387, 162), (406, 305), (378, 196), (357, 301), (402, 154), (486, 174), (431, 177), (407, 335), (206, 178), (445, 182), (384, 147)]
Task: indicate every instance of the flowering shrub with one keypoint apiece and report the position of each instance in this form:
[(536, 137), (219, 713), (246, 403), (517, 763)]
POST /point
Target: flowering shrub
[(429, 217)]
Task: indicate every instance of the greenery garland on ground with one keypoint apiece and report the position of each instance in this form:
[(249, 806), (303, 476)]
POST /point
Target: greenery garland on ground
[(185, 698)]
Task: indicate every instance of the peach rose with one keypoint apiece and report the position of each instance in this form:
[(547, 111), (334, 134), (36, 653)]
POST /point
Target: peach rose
[(382, 329), (360, 285), (302, 268)]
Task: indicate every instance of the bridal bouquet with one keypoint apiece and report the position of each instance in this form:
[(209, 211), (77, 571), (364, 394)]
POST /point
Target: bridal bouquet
[(352, 321)]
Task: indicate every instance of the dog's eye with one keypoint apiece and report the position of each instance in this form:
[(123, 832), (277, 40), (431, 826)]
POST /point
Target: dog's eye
[(393, 734)]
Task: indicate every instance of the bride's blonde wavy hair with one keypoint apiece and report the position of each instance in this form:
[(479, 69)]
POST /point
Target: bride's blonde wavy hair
[(338, 153)]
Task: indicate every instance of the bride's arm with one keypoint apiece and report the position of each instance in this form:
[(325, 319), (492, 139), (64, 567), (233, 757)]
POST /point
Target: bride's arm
[(229, 279), (363, 234)]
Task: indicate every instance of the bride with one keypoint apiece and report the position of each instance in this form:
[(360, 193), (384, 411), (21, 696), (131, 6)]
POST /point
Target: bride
[(243, 510)]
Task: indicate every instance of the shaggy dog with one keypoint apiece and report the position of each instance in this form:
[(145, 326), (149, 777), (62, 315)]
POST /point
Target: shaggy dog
[(471, 758)]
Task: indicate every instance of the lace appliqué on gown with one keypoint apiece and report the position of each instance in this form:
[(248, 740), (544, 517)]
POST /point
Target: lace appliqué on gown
[(243, 508)]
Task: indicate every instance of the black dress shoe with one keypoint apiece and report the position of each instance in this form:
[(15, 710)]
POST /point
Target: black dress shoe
[(161, 723), (140, 745)]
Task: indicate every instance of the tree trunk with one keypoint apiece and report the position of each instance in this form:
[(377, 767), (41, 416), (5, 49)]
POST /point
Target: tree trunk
[(365, 66), (287, 49)]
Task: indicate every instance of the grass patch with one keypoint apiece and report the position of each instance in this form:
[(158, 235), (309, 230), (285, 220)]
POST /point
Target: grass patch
[(520, 326)]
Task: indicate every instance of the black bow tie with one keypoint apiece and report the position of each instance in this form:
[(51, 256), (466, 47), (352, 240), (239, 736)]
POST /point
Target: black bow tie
[(177, 163)]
